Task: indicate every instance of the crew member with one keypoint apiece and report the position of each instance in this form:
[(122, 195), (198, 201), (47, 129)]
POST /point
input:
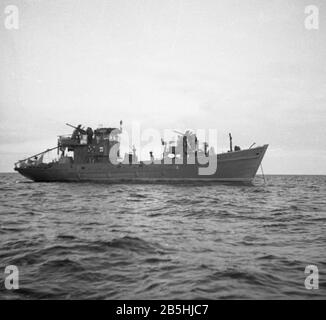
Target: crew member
[(75, 134), (89, 133)]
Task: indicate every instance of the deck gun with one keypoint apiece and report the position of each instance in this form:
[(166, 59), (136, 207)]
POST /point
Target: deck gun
[(79, 129)]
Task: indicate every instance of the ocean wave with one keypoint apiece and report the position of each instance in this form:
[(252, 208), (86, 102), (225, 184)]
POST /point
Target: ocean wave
[(204, 241)]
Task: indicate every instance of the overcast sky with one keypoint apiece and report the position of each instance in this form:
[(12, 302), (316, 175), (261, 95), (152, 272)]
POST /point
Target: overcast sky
[(243, 66)]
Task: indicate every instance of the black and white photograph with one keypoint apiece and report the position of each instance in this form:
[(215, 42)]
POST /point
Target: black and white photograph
[(162, 150)]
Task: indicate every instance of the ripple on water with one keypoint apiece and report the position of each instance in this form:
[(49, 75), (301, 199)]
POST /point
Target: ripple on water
[(163, 241)]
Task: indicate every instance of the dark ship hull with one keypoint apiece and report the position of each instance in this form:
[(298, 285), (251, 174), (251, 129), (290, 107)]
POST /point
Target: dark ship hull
[(237, 166)]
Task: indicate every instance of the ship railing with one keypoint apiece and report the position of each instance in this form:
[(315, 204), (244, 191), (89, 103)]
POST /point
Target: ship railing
[(33, 160)]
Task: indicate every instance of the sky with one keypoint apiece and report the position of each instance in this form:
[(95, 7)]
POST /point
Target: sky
[(249, 67)]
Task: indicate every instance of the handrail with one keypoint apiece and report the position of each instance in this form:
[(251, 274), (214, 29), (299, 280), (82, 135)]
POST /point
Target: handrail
[(35, 155), (252, 145)]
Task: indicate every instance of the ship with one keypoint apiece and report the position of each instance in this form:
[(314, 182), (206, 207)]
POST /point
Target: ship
[(94, 156)]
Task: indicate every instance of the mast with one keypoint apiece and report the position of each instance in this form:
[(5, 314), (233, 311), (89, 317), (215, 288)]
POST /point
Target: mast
[(230, 136)]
